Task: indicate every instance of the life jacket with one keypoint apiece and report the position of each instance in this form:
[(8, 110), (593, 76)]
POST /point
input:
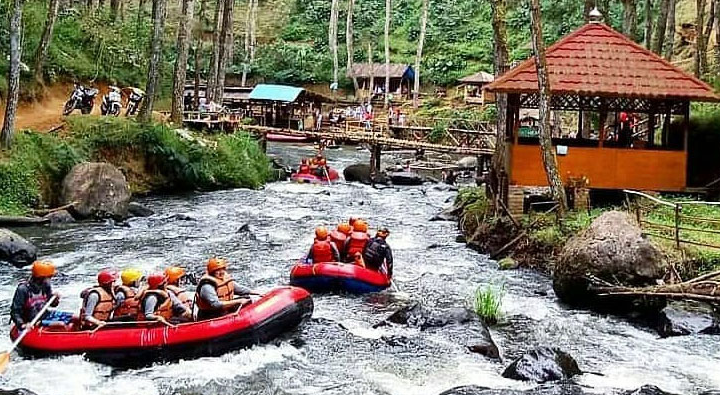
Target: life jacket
[(130, 306), (304, 169), (34, 303), (104, 307), (322, 251), (357, 243), (225, 290), (163, 308), (375, 253), (338, 238), (182, 294)]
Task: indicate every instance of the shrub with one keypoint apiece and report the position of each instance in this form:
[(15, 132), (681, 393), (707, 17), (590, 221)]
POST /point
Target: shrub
[(488, 302)]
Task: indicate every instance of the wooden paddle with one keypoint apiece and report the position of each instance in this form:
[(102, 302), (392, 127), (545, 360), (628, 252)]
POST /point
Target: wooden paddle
[(5, 357), (327, 175)]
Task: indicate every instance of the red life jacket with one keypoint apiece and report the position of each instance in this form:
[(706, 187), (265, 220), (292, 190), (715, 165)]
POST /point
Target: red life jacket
[(225, 290), (338, 238), (357, 243), (322, 251), (181, 294), (304, 169), (163, 308), (130, 306), (104, 307)]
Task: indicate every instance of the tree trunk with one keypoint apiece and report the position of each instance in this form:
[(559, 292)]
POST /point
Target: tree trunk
[(8, 128), (660, 26), (717, 36), (388, 13), (372, 73), (629, 25), (700, 58), (253, 31), (349, 41), (709, 23), (226, 50), (332, 37), (158, 15), (183, 43), (248, 27), (213, 73), (199, 26), (670, 37), (548, 154), (114, 9), (500, 165), (418, 56), (42, 50), (648, 24)]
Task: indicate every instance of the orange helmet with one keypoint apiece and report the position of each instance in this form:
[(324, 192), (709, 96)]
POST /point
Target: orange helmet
[(156, 280), (360, 226), (215, 264), (41, 269), (345, 228), (174, 274), (321, 232)]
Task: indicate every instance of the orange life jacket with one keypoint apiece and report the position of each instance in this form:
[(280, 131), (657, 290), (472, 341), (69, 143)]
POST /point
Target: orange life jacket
[(130, 307), (163, 308), (225, 290), (322, 251), (104, 307), (338, 238), (181, 294), (358, 241)]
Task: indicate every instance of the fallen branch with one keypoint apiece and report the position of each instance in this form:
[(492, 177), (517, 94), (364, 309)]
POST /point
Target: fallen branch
[(44, 212), (522, 234), (22, 221)]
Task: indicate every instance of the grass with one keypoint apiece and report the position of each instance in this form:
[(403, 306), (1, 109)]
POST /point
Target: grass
[(488, 302)]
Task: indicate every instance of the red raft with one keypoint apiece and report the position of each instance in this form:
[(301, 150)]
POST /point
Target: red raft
[(277, 312), (326, 277), (313, 179)]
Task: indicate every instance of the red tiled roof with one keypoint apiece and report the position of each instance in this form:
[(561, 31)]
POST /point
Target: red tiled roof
[(595, 60)]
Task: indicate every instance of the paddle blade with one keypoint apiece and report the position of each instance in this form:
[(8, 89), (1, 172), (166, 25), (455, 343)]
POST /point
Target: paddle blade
[(4, 361)]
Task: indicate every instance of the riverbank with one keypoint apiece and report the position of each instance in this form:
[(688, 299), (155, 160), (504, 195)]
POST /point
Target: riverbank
[(153, 157)]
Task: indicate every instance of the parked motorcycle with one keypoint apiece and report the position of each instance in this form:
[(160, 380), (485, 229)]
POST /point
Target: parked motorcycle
[(135, 97), (82, 99), (112, 102)]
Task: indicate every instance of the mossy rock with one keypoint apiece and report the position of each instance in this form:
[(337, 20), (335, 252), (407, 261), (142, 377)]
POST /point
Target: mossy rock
[(507, 264)]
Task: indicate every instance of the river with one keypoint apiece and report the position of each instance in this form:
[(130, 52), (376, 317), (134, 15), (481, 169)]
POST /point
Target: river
[(338, 351)]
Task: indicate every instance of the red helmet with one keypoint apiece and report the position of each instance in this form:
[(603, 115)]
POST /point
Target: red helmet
[(156, 280), (107, 277)]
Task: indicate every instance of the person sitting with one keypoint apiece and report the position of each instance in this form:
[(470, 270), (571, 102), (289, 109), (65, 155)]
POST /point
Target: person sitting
[(99, 301), (321, 171), (32, 295), (127, 296), (340, 235), (323, 250), (304, 167), (355, 244), (378, 254), (158, 304), (217, 291), (174, 275)]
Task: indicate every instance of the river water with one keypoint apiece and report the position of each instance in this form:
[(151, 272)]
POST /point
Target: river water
[(338, 351)]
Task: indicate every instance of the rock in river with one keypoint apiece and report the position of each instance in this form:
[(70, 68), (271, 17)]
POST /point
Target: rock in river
[(19, 391), (541, 365), (406, 178), (647, 390), (60, 217), (15, 249), (688, 318), (546, 389), (448, 214), (613, 249), (138, 210), (97, 190), (361, 173)]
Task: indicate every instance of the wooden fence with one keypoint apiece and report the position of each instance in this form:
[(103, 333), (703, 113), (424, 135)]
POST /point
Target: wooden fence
[(683, 228)]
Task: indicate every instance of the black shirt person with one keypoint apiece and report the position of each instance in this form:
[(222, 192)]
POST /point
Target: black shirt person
[(377, 253), (32, 295)]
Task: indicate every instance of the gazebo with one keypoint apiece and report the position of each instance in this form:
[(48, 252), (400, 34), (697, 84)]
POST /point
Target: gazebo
[(632, 109), (371, 78), (473, 88)]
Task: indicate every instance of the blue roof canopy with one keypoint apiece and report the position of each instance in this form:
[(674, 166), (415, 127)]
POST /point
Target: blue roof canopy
[(282, 93)]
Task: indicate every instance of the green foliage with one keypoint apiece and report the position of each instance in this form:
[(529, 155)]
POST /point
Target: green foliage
[(488, 302)]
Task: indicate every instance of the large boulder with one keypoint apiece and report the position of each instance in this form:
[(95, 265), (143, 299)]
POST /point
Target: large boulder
[(60, 217), (361, 173), (541, 365), (546, 389), (97, 191), (613, 249), (15, 249), (688, 318)]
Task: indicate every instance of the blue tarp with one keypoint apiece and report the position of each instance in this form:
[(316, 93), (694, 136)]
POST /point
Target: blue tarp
[(275, 93)]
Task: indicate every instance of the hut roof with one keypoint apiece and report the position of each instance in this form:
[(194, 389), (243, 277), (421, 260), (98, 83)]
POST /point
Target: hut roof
[(478, 78), (362, 70), (276, 93)]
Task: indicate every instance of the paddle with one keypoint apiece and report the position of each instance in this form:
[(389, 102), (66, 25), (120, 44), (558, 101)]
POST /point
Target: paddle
[(5, 357), (327, 175)]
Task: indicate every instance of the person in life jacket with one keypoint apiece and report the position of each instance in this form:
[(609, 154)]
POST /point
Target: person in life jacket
[(339, 236), (304, 167), (159, 304), (321, 170), (127, 296), (175, 274), (217, 293), (355, 244), (323, 249), (99, 301), (378, 254), (31, 295)]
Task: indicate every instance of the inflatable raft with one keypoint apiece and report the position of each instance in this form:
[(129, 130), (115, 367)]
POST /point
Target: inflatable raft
[(313, 179), (326, 277), (277, 312)]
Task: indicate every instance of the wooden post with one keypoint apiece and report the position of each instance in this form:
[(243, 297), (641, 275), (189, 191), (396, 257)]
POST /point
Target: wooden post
[(651, 125), (263, 142), (685, 126), (677, 226)]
